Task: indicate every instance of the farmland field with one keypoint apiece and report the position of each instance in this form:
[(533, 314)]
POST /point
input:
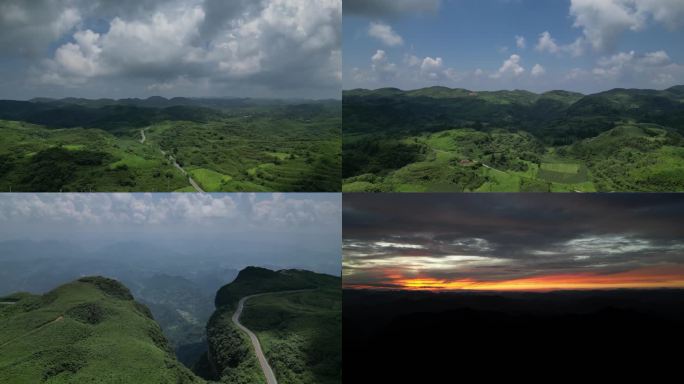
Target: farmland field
[(267, 146), (439, 139)]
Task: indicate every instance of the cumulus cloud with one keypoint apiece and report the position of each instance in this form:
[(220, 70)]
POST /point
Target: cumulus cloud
[(547, 43), (380, 8), (431, 67), (511, 66), (520, 42), (604, 21), (286, 46), (381, 65), (385, 34), (631, 66), (538, 70)]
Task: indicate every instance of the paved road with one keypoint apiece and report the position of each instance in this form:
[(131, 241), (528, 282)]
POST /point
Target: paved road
[(265, 367), (268, 372), (173, 161), (142, 135), (183, 171)]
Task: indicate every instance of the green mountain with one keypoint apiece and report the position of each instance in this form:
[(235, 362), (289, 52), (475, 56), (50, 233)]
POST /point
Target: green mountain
[(442, 139), (87, 331), (300, 332)]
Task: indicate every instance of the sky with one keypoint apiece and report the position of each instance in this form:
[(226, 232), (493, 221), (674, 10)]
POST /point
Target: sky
[(538, 45), (231, 230), (513, 241), (192, 48)]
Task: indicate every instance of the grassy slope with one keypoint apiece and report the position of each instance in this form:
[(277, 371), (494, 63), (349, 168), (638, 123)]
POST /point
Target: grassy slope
[(256, 153), (36, 158), (300, 334), (465, 160), (231, 353), (88, 331)]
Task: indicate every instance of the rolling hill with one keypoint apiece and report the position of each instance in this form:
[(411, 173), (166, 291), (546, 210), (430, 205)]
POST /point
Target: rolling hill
[(157, 144), (442, 139)]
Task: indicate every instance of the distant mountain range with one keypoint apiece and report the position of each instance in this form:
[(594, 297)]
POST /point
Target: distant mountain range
[(548, 115), (110, 114)]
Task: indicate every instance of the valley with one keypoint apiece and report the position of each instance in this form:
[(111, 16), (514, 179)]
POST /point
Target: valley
[(292, 316), (449, 140)]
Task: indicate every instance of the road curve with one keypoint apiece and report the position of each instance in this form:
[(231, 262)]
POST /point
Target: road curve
[(265, 367), (142, 135)]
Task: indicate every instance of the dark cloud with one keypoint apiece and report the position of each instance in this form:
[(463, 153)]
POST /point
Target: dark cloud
[(508, 236), (269, 48)]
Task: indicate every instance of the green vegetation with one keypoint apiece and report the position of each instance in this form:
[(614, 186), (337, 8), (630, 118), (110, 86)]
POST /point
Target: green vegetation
[(451, 140), (300, 332), (88, 331), (225, 145)]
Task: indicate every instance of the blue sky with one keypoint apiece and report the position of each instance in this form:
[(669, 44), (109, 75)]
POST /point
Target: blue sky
[(580, 45)]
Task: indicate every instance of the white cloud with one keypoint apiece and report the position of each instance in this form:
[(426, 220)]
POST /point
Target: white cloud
[(281, 45), (431, 65), (547, 44), (630, 66), (538, 70), (412, 60), (603, 21), (511, 66), (385, 34), (274, 210), (520, 42), (382, 66)]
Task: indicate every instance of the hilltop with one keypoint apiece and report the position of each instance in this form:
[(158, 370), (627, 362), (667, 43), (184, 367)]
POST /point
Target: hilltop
[(84, 331)]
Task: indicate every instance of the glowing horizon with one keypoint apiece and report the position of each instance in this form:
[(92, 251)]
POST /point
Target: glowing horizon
[(640, 279), (513, 242)]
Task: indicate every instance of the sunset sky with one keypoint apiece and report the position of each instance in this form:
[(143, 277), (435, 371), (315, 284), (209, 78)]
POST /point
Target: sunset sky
[(513, 241)]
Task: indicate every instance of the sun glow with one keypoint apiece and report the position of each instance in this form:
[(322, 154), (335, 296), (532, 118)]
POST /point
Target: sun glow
[(643, 278)]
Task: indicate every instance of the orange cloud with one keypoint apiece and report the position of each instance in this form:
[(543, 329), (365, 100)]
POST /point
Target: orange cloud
[(655, 277)]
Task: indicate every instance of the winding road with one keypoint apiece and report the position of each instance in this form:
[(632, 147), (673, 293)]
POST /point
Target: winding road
[(265, 367), (142, 135), (173, 161)]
